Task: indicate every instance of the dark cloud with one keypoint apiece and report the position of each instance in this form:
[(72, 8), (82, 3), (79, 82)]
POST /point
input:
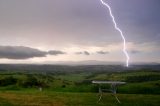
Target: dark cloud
[(55, 52), (21, 52), (102, 52), (84, 52), (78, 53)]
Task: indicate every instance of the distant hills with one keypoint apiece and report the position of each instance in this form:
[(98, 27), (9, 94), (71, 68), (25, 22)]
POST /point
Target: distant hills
[(75, 68), (95, 62), (87, 62)]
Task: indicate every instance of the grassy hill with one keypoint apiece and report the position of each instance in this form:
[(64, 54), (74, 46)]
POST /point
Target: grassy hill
[(74, 88)]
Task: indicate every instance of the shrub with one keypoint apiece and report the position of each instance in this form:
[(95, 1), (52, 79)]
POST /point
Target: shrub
[(8, 81)]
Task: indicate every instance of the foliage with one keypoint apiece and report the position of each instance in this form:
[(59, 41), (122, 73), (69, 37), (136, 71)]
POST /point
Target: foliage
[(142, 78), (8, 81)]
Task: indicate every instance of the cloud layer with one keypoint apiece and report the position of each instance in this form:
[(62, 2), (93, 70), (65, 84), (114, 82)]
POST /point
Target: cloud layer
[(102, 52), (84, 52), (82, 26), (22, 52), (56, 52)]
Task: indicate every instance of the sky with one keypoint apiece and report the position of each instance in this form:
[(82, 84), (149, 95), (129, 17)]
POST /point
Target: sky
[(43, 31)]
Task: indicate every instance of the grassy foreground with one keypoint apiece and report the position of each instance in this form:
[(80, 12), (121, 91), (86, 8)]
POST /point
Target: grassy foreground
[(50, 98), (74, 88)]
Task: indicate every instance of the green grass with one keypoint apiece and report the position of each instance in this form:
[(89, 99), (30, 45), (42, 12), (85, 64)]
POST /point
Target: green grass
[(151, 87), (73, 77), (123, 75), (4, 102), (76, 89), (50, 98)]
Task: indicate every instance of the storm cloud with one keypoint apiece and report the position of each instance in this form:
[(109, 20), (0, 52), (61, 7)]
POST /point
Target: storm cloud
[(78, 53), (84, 52), (22, 52), (55, 52), (102, 52)]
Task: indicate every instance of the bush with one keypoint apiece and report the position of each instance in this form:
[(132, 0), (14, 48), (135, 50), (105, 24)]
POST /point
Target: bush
[(8, 81), (29, 82), (143, 78), (32, 81)]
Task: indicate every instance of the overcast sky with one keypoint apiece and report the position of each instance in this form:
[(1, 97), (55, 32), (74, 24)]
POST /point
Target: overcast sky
[(76, 30)]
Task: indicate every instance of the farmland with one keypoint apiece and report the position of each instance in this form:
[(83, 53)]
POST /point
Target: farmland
[(69, 87)]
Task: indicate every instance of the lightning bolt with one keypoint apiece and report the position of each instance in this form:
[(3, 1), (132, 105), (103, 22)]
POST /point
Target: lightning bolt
[(119, 30)]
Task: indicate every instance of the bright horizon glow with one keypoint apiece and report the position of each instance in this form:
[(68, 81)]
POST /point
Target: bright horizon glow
[(119, 30)]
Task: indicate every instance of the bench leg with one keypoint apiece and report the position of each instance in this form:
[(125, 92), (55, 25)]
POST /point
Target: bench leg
[(100, 94), (116, 98), (114, 91)]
